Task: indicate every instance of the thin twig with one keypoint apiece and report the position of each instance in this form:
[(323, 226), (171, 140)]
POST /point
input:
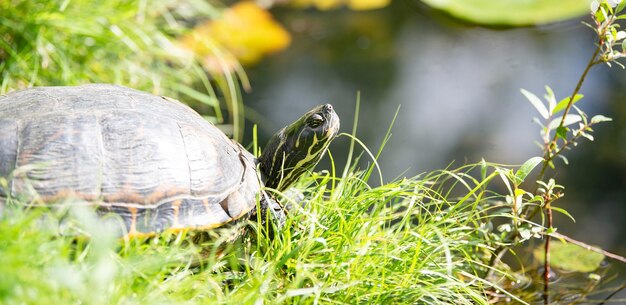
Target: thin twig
[(592, 62), (588, 247), (610, 296), (547, 155), (492, 263)]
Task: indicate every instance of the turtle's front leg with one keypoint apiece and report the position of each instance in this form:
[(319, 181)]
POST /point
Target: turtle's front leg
[(269, 210), (272, 208)]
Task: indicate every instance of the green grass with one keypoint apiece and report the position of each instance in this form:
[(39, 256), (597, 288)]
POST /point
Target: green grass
[(402, 242), (131, 43)]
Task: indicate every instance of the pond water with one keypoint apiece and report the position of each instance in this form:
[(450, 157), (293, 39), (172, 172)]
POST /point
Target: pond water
[(457, 87)]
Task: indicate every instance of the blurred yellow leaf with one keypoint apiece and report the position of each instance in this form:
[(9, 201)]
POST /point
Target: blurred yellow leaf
[(367, 4), (332, 4), (244, 30), (326, 4)]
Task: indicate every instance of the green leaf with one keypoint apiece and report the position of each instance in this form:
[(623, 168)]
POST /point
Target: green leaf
[(563, 103), (600, 15), (620, 7), (564, 159), (599, 119), (582, 114), (569, 120), (536, 102), (561, 132), (512, 12), (551, 99), (526, 168), (609, 7), (503, 175), (603, 8), (586, 135), (611, 34), (570, 257), (564, 212)]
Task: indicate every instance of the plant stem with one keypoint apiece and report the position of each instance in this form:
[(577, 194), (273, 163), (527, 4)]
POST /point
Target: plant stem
[(546, 264), (547, 155)]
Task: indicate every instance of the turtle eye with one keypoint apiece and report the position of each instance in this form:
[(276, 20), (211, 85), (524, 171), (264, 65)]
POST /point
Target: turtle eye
[(315, 120)]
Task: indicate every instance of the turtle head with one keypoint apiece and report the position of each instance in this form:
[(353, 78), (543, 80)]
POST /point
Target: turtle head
[(296, 148)]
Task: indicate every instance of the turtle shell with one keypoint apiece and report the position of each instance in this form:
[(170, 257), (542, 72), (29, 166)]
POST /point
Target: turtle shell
[(152, 160)]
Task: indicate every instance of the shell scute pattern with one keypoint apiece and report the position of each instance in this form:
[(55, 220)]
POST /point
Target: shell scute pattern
[(155, 162)]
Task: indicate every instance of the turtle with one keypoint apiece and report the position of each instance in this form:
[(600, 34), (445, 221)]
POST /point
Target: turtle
[(150, 159)]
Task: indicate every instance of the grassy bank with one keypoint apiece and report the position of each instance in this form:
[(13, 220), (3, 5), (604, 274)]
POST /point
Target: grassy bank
[(408, 241)]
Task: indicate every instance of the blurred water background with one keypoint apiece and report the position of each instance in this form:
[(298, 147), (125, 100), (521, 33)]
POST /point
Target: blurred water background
[(457, 86)]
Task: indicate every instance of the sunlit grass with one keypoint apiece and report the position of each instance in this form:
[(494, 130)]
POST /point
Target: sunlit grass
[(131, 43), (403, 242)]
